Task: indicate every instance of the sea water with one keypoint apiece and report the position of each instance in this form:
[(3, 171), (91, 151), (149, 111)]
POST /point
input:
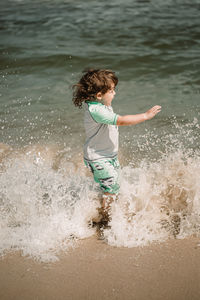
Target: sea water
[(47, 197)]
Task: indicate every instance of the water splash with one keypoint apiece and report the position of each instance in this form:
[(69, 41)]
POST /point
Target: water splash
[(47, 200), (42, 209), (158, 201)]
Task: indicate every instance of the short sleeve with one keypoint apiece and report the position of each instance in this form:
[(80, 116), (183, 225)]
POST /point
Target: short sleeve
[(102, 114)]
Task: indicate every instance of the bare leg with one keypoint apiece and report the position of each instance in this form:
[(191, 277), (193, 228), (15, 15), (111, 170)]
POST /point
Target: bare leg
[(105, 213), (105, 210)]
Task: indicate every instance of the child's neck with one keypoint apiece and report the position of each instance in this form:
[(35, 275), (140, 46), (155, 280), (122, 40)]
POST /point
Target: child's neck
[(103, 102)]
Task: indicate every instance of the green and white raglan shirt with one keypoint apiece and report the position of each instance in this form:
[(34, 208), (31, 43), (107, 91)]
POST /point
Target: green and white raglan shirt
[(101, 131)]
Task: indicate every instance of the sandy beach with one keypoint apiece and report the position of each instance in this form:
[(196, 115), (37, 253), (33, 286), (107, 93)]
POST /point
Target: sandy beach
[(95, 270)]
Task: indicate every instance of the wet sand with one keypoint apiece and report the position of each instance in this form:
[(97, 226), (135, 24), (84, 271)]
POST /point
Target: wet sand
[(94, 270)]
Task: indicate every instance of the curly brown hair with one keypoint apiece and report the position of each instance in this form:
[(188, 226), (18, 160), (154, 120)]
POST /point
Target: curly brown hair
[(91, 83)]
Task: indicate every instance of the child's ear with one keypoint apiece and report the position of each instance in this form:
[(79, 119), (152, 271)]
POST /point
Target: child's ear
[(99, 96)]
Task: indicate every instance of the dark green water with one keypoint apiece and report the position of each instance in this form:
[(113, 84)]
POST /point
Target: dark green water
[(152, 45)]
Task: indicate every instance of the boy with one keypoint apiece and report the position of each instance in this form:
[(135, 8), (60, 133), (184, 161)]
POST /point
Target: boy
[(96, 89)]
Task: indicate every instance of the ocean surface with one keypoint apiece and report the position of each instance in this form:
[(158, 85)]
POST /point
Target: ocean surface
[(47, 197)]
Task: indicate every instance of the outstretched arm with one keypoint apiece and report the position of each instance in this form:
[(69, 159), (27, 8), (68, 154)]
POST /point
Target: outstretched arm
[(139, 118)]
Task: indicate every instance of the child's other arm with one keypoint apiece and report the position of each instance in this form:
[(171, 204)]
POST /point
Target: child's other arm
[(139, 118)]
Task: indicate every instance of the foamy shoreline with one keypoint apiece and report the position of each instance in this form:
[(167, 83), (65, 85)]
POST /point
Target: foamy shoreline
[(94, 270), (47, 200)]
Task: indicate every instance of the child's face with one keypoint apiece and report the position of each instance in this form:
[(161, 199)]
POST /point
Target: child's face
[(108, 96)]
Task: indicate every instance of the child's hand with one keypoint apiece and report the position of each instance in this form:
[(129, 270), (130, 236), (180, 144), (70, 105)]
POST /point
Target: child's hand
[(152, 112), (139, 118)]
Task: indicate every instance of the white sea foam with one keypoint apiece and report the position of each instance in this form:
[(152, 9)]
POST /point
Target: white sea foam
[(46, 203), (43, 210), (158, 201)]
